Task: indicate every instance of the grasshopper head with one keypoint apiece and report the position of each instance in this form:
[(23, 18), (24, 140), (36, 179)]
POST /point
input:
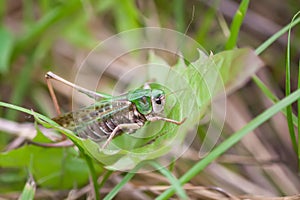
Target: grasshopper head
[(157, 100), (148, 101)]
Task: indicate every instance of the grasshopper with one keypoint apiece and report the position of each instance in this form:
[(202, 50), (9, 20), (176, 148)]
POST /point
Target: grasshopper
[(111, 115)]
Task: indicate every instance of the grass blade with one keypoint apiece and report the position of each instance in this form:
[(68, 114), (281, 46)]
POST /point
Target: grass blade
[(28, 191), (24, 110), (27, 40), (272, 97), (298, 105), (236, 24), (179, 15), (105, 178), (263, 47), (120, 185), (173, 180), (201, 35), (274, 37), (6, 47), (92, 174), (289, 111), (43, 24), (233, 139), (20, 88)]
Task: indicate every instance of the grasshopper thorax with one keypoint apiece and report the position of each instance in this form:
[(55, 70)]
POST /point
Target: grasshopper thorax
[(147, 101)]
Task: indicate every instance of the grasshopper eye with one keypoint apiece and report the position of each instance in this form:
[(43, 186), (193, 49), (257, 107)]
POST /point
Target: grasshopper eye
[(158, 101)]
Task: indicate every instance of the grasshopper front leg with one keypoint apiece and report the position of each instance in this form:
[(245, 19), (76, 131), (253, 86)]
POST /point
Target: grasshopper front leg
[(159, 118), (119, 128)]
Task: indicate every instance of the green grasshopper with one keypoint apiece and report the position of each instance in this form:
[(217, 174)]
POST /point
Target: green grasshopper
[(111, 115)]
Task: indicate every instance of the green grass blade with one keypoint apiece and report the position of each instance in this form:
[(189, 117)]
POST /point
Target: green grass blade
[(128, 21), (105, 178), (179, 15), (288, 90), (233, 139), (120, 185), (265, 89), (20, 88), (201, 35), (277, 35), (262, 48), (3, 9), (28, 15), (236, 24), (28, 191), (27, 40), (43, 24), (92, 174), (173, 180), (298, 105), (30, 112), (272, 97), (6, 47)]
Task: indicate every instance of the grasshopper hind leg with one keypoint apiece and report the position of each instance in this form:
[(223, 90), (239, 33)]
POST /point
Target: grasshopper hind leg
[(52, 94), (50, 75)]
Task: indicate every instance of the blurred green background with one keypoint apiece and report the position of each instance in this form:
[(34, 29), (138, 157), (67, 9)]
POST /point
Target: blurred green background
[(40, 35)]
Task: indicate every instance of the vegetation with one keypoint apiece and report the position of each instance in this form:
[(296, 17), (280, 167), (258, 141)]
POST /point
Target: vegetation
[(234, 59)]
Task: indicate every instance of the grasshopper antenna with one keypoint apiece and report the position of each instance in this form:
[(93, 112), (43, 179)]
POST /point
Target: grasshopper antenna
[(174, 92), (187, 28)]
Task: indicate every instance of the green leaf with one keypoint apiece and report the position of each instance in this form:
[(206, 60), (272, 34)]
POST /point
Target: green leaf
[(196, 84), (237, 67), (12, 179), (51, 167), (6, 47)]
